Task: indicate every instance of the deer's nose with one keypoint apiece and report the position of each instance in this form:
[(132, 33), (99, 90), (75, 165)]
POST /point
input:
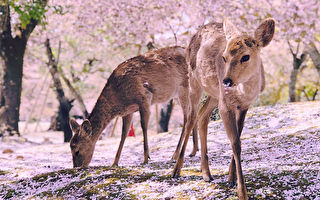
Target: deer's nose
[(227, 82)]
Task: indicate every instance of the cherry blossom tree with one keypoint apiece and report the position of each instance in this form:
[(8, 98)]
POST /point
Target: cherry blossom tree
[(109, 32), (118, 25)]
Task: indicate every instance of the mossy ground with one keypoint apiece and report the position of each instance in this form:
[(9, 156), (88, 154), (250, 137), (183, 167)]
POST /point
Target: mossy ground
[(280, 160)]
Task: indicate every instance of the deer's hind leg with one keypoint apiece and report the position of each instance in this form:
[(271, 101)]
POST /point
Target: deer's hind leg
[(184, 102), (193, 101), (144, 109), (195, 140), (126, 122)]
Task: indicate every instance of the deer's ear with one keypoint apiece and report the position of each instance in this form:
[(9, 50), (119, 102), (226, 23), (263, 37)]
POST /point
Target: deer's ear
[(86, 127), (229, 29), (75, 127), (264, 33)]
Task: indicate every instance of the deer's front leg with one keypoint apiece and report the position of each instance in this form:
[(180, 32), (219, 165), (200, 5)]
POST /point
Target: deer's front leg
[(229, 120), (144, 118), (126, 122), (195, 140), (204, 117), (240, 117)]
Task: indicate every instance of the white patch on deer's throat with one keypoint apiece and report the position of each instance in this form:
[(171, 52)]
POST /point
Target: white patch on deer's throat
[(241, 89)]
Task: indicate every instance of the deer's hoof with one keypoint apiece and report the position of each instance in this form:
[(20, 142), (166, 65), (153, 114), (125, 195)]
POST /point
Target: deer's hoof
[(192, 154), (174, 157), (114, 165), (207, 177), (175, 173), (146, 159), (231, 184)]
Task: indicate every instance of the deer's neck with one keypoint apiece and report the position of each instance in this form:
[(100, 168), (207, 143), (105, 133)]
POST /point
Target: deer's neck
[(102, 113)]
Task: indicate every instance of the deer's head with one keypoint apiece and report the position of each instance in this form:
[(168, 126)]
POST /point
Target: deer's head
[(242, 53), (81, 144)]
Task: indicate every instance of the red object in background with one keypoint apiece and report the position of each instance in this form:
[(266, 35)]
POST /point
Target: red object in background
[(131, 132)]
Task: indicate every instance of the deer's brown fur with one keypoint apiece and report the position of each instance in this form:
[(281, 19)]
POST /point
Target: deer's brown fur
[(226, 64), (134, 85)]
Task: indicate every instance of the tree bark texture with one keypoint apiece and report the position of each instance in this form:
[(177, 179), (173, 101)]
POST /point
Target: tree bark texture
[(12, 51), (77, 96), (297, 62), (61, 120), (292, 85), (165, 115), (315, 56), (12, 56)]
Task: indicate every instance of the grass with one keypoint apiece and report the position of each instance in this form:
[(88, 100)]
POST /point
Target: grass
[(279, 161)]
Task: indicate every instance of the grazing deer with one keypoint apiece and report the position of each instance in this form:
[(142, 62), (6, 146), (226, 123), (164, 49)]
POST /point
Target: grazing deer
[(135, 84), (226, 64)]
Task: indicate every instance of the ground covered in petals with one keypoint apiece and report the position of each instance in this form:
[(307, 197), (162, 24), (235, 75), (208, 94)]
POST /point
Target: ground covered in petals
[(280, 156)]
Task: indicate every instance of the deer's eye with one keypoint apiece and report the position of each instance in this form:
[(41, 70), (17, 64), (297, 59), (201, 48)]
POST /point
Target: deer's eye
[(76, 153), (245, 58), (224, 59)]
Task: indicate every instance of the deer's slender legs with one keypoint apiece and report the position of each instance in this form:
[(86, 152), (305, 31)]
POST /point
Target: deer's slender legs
[(204, 117), (145, 115), (240, 117), (126, 122), (230, 124), (195, 95), (195, 140), (184, 102), (178, 148)]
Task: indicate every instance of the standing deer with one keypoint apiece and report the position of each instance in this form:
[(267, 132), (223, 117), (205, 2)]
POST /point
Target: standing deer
[(135, 84), (226, 64)]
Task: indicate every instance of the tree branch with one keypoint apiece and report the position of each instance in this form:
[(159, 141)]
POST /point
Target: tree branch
[(53, 69), (76, 95), (315, 56), (25, 33), (59, 51), (290, 48), (298, 47), (33, 22), (314, 95), (52, 60), (5, 23), (304, 92)]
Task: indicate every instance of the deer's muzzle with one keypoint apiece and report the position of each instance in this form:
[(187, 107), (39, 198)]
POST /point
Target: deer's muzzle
[(227, 82)]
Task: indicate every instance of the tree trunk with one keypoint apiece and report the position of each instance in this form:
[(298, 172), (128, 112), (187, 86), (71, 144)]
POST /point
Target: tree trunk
[(165, 115), (297, 62), (292, 85), (12, 52), (61, 121), (315, 56)]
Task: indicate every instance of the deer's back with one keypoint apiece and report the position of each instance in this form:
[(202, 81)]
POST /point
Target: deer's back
[(203, 53), (159, 74)]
